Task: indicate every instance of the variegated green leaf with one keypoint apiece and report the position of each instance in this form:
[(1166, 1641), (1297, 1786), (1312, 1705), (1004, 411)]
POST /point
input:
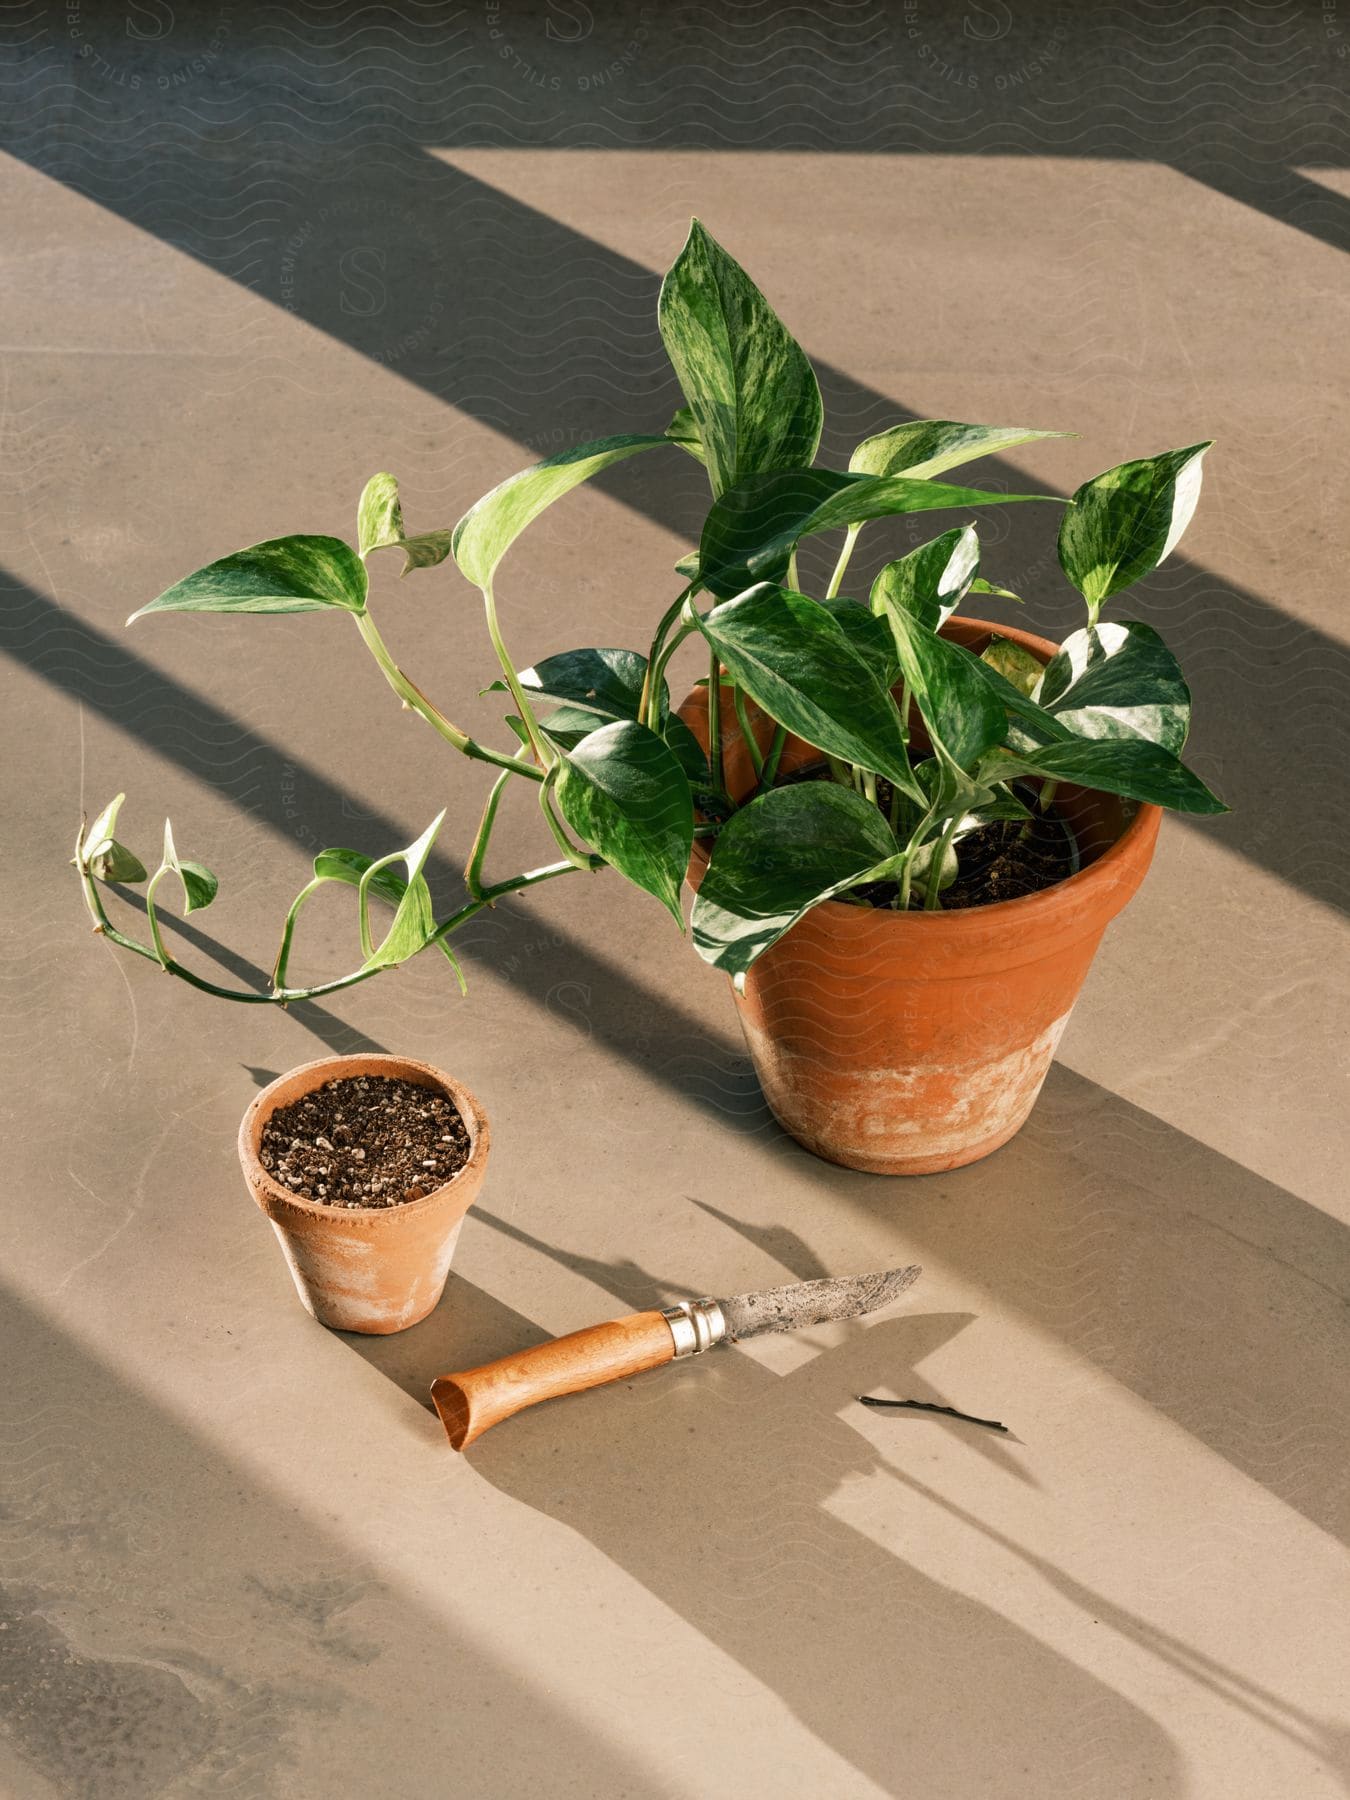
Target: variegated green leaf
[(413, 921), (926, 447), (930, 582), (487, 531), (753, 396), (379, 526), (199, 884), (775, 859), (622, 789), (284, 575), (1121, 524)]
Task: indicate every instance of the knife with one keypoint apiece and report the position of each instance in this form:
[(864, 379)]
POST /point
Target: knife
[(473, 1400)]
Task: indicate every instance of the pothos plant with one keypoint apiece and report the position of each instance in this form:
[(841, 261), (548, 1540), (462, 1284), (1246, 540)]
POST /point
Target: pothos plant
[(620, 779)]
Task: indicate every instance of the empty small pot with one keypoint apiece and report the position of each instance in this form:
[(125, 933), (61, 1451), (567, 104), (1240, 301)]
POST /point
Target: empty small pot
[(368, 1269)]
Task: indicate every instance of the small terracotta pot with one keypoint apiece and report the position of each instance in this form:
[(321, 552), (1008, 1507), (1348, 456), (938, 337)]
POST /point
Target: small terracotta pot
[(370, 1269), (907, 1043)]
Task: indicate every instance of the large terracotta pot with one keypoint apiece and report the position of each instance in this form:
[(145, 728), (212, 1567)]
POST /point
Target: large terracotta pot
[(907, 1043), (368, 1269)]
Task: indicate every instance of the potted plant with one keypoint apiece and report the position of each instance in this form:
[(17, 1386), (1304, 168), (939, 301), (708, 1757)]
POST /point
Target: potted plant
[(907, 828)]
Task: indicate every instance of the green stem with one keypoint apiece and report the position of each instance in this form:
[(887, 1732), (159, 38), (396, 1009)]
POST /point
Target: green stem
[(792, 577), (490, 895), (906, 878), (288, 931), (523, 706), (656, 673), (911, 849), (473, 873), (769, 772), (579, 859), (840, 770), (715, 724), (836, 580), (869, 786), (667, 619), (939, 862), (153, 917), (283, 996), (747, 735), (363, 899), (279, 997), (412, 696)]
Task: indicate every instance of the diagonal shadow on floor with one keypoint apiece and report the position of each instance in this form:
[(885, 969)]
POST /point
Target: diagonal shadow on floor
[(170, 1625), (1062, 1196), (1214, 1295), (724, 1512), (714, 1495), (1272, 694)]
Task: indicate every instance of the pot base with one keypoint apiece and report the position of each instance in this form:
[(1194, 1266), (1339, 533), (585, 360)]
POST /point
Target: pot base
[(919, 1120)]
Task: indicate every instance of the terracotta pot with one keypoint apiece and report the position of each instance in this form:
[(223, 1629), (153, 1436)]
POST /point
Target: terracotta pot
[(907, 1043), (369, 1269)]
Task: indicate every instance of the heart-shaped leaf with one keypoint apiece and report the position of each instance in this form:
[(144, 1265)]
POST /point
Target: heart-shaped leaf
[(622, 790), (605, 682), (199, 884), (962, 713), (925, 447), (103, 855), (379, 526), (104, 826), (1133, 766), (487, 531), (413, 921), (752, 530), (1118, 681), (284, 575), (799, 664), (1121, 524), (752, 394), (775, 859), (114, 862), (932, 581)]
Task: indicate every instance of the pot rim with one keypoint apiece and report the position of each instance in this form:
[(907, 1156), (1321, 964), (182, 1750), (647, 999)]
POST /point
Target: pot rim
[(1133, 846), (333, 1068)]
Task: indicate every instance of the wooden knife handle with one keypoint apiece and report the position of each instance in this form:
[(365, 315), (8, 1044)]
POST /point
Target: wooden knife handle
[(472, 1401)]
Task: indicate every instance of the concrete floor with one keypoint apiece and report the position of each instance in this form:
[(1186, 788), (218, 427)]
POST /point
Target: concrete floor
[(255, 253)]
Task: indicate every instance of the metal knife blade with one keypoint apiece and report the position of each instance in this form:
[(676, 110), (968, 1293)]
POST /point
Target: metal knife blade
[(804, 1303)]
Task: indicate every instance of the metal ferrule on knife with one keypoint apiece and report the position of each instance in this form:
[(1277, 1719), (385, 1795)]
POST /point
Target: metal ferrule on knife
[(695, 1325)]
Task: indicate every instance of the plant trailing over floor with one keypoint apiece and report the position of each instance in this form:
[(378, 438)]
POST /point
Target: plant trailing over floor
[(615, 768)]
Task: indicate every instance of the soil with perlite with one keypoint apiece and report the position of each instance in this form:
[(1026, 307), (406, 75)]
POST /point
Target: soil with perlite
[(365, 1141)]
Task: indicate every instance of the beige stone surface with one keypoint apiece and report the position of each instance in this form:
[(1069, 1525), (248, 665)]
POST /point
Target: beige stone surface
[(253, 254)]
